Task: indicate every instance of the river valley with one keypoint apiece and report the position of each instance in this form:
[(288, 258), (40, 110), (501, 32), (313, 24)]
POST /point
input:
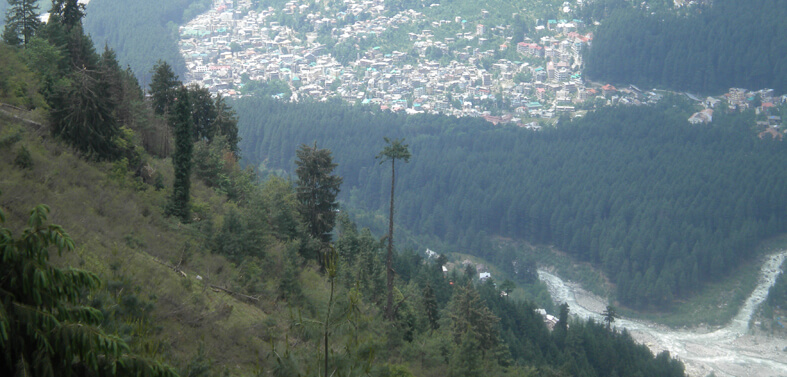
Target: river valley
[(731, 350)]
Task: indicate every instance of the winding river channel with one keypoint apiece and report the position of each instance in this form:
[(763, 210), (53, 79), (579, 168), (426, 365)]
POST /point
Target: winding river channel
[(727, 351)]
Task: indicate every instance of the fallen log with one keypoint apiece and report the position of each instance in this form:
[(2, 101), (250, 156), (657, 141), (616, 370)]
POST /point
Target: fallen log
[(216, 287)]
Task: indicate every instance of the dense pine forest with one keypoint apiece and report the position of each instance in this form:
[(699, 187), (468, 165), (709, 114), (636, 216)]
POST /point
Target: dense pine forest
[(142, 31), (133, 244), (661, 205), (707, 49)]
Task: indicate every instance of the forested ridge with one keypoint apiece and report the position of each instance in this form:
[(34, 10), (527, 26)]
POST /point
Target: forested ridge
[(660, 205), (142, 31), (731, 43)]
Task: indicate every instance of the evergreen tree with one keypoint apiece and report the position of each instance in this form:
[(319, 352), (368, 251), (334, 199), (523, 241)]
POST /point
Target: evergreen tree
[(204, 113), (80, 49), (45, 330), (561, 328), (395, 150), (21, 20), (163, 87), (466, 360), (289, 286), (609, 315), (10, 35), (226, 123), (180, 120), (83, 115), (468, 313), (430, 307), (231, 240), (562, 319), (317, 189), (124, 90), (69, 13)]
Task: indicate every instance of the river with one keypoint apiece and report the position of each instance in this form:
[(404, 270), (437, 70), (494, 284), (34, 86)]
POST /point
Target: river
[(731, 350)]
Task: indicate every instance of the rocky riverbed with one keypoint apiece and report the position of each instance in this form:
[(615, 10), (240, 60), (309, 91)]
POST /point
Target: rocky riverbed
[(732, 350)]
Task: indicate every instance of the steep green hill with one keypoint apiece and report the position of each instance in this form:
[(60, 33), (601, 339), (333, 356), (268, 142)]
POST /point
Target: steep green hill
[(122, 236)]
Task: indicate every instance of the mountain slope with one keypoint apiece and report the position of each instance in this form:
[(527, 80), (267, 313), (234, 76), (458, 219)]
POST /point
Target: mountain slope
[(121, 235), (169, 292), (660, 205)]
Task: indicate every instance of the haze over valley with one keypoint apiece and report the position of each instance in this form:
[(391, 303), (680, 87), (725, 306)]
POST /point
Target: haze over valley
[(393, 188)]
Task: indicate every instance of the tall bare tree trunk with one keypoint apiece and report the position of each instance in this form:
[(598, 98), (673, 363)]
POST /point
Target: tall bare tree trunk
[(389, 262)]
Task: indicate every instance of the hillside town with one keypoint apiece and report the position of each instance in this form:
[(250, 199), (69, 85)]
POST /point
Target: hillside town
[(229, 47), (237, 47)]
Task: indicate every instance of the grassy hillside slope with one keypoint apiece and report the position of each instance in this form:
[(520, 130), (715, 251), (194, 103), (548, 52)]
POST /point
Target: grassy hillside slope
[(121, 235), (170, 295)]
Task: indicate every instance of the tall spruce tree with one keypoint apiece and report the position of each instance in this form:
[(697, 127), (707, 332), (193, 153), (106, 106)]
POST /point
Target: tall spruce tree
[(83, 115), (430, 307), (21, 22), (204, 113), (317, 189), (180, 119), (163, 87), (67, 12), (469, 313), (395, 150)]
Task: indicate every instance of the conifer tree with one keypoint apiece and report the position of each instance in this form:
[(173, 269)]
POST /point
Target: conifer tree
[(45, 330), (114, 77), (180, 120), (395, 150), (562, 321), (317, 189), (226, 123), (466, 360), (290, 287), (163, 87), (469, 313), (430, 307), (21, 20), (204, 113), (10, 36), (609, 315), (67, 12), (83, 115), (561, 328)]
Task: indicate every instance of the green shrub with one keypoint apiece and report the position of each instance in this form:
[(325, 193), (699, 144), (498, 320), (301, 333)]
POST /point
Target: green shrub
[(23, 159)]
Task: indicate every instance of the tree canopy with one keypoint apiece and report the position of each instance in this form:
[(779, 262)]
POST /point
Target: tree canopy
[(712, 49)]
